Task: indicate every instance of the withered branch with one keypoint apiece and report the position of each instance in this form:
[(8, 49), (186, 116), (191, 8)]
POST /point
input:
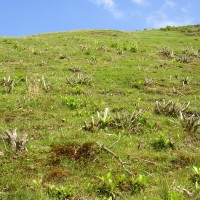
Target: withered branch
[(122, 163)]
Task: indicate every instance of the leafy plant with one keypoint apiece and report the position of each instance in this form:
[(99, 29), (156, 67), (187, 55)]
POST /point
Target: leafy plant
[(114, 44), (138, 184), (137, 84), (197, 186), (107, 186), (168, 28), (174, 195), (196, 175), (60, 193), (111, 186), (77, 90), (161, 143), (37, 184), (134, 48), (70, 102)]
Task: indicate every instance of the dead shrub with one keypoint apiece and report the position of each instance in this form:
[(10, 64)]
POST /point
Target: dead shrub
[(170, 108)]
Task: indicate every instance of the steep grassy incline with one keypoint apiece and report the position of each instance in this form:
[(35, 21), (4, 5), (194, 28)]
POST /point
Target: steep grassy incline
[(108, 115)]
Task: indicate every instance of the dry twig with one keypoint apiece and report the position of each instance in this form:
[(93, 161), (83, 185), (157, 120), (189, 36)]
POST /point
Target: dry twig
[(122, 163)]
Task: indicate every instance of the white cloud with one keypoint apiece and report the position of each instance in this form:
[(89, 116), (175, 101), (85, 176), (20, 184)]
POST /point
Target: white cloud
[(105, 3), (161, 19), (140, 2), (170, 22), (109, 5), (169, 4), (166, 17)]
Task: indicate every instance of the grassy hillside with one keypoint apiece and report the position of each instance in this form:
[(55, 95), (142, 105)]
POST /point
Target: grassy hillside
[(108, 115)]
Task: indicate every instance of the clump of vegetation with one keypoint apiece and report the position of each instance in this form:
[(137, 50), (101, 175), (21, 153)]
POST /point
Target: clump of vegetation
[(140, 84), (79, 79), (183, 59), (167, 52), (168, 28), (62, 192), (162, 143), (33, 88), (195, 178), (8, 84), (170, 108), (190, 123), (186, 81), (134, 48), (133, 122), (17, 144), (70, 102), (111, 186), (77, 90), (75, 69), (191, 52), (137, 84)]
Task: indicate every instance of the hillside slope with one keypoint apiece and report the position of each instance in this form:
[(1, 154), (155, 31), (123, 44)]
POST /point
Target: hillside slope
[(101, 110)]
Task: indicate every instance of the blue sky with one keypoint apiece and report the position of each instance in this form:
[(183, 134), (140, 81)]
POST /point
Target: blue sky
[(27, 17)]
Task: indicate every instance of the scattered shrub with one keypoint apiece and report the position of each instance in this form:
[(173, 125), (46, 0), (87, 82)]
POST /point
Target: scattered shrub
[(134, 122), (161, 143), (166, 51), (190, 123), (111, 186), (70, 102), (79, 79), (63, 192), (134, 48), (195, 178), (170, 108)]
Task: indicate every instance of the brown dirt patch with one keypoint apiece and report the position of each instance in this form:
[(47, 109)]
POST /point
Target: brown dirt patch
[(73, 151)]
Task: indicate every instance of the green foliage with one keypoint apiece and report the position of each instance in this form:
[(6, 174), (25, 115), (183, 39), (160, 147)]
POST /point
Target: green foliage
[(134, 48), (196, 175), (197, 187), (107, 186), (174, 195), (111, 186), (137, 84), (168, 28), (77, 90), (70, 102), (60, 193), (114, 44), (138, 184), (162, 143)]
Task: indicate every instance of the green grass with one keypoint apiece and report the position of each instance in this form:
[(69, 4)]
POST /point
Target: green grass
[(160, 155)]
